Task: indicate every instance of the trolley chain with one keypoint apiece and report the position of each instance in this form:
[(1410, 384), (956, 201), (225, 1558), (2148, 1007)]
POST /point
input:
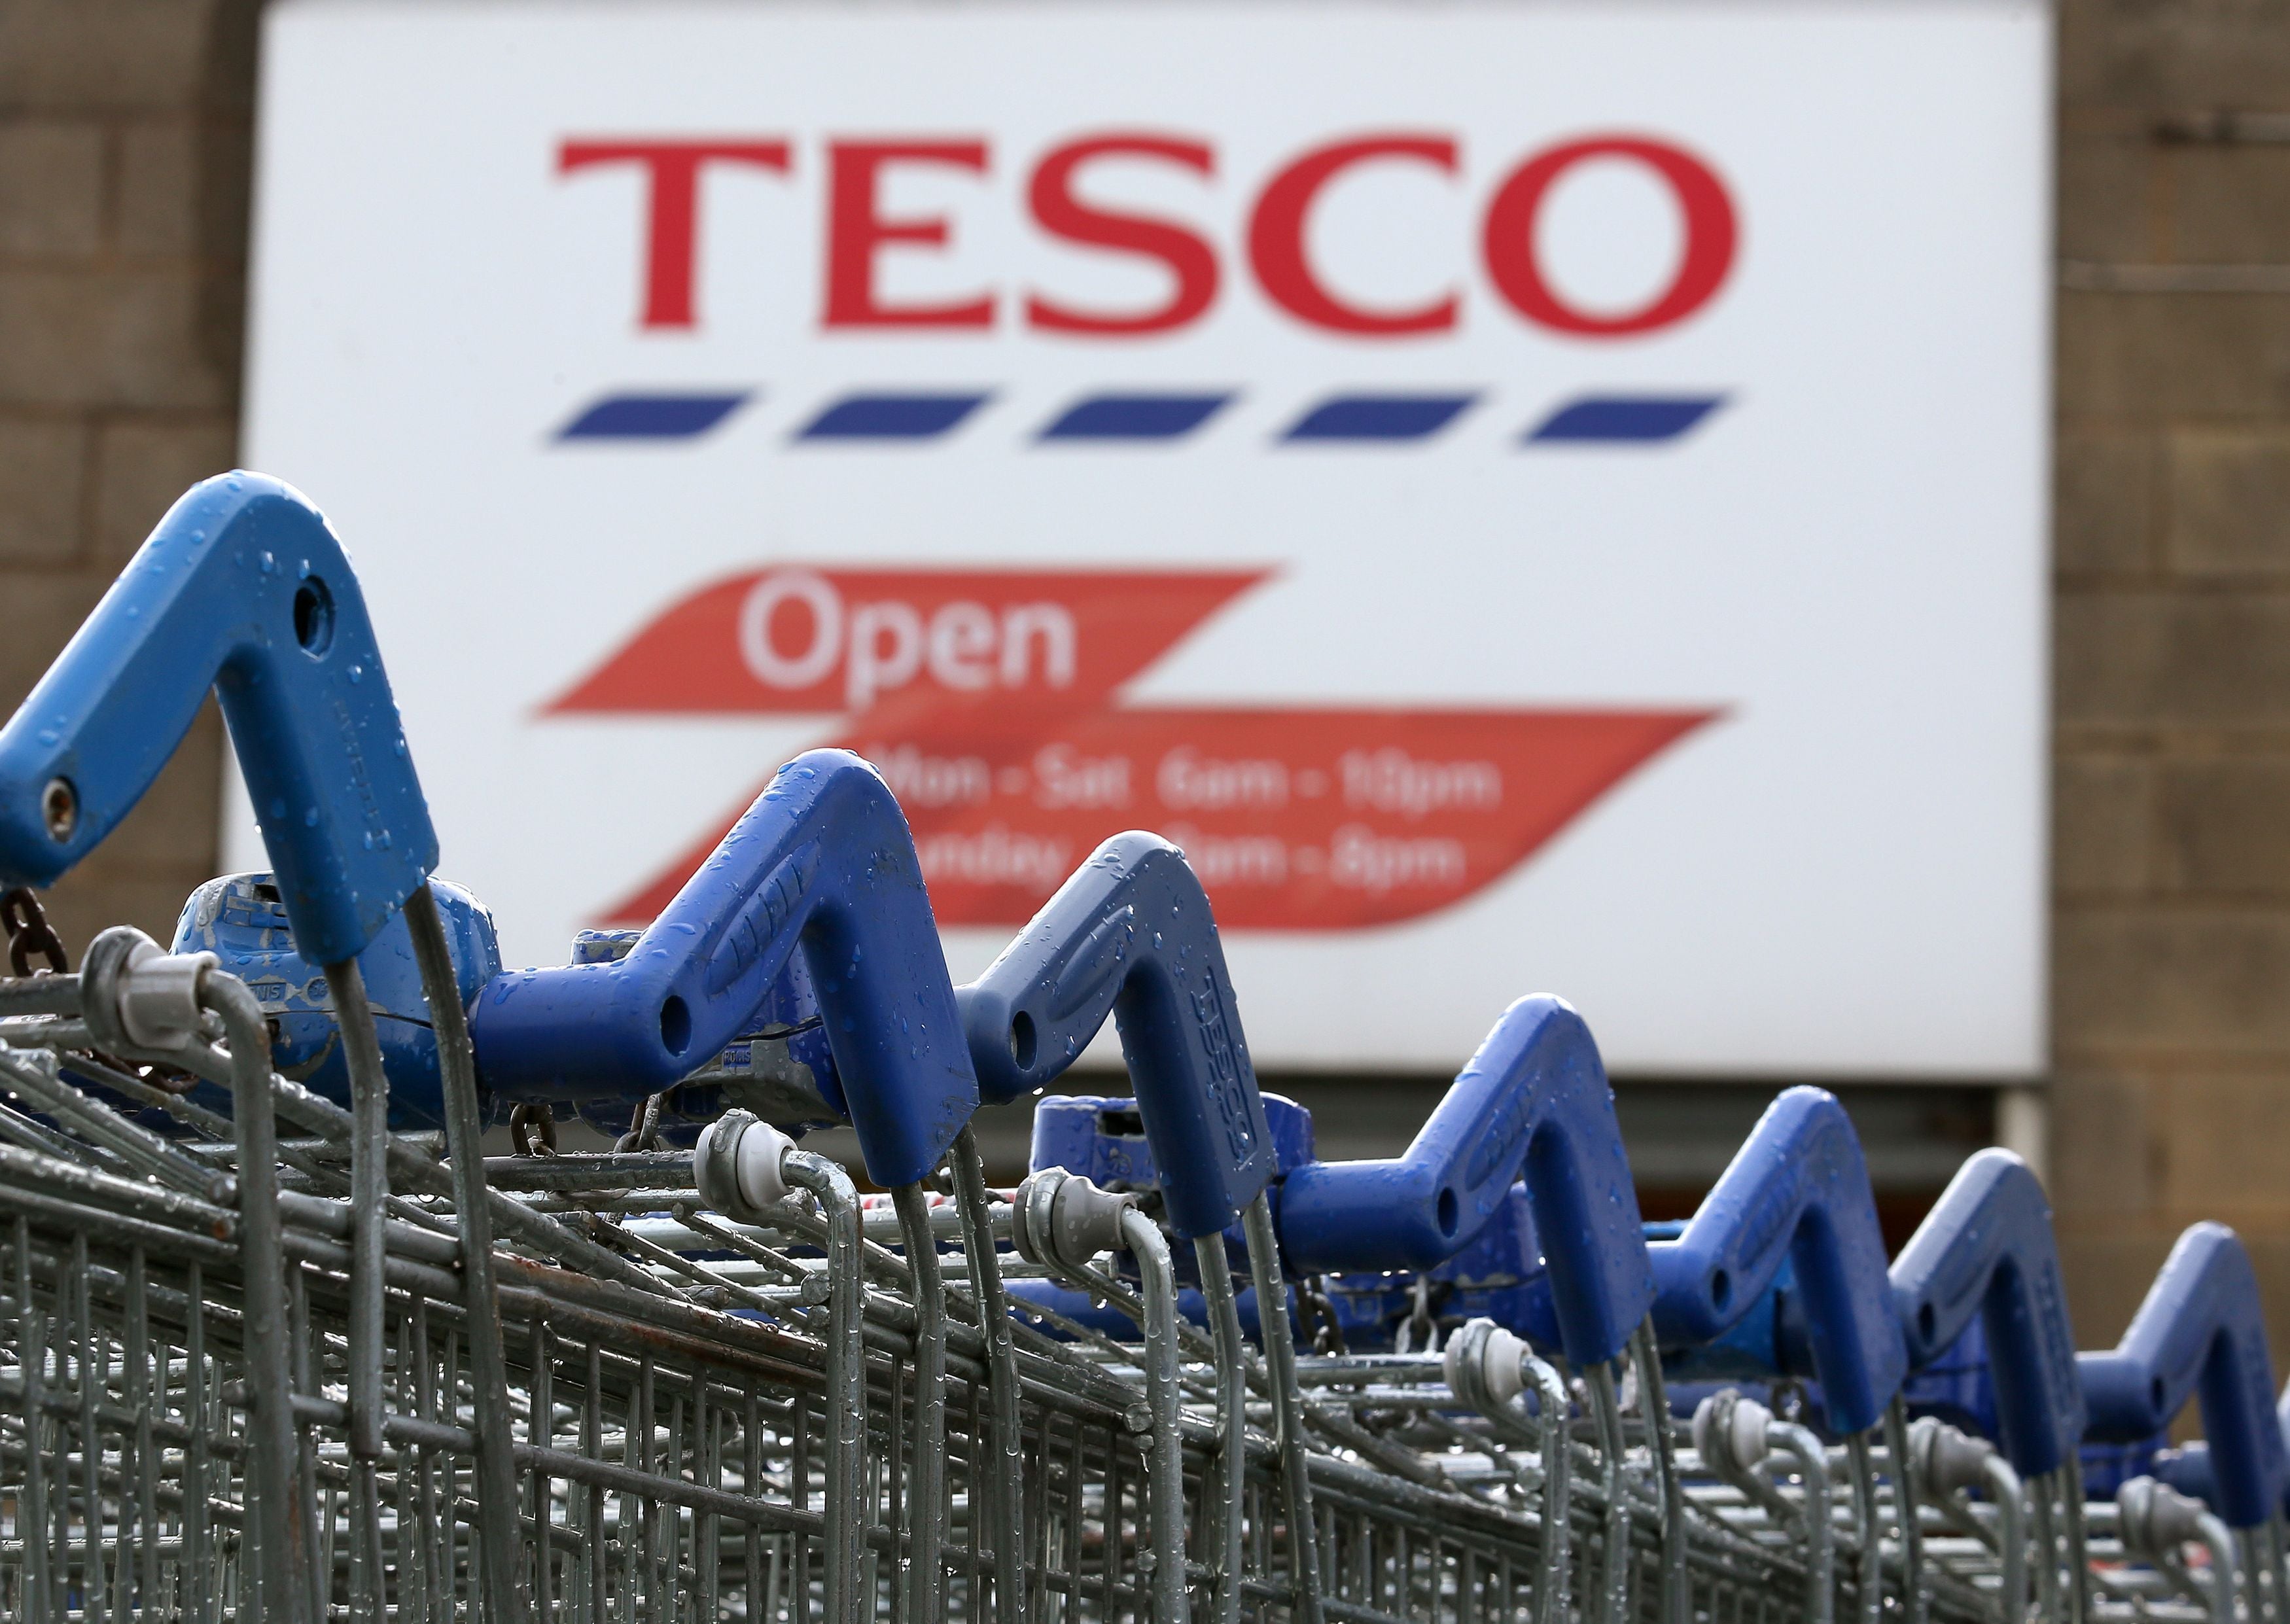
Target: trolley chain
[(533, 1130), (1420, 1332), (1320, 1308), (644, 1128), (29, 932)]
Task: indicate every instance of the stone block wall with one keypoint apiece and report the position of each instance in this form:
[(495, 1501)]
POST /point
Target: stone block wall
[(125, 131), (123, 186), (2171, 972)]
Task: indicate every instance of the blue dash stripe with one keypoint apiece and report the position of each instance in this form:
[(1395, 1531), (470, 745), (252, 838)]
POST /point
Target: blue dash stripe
[(1379, 416), (652, 416), (891, 417), (1641, 418), (1133, 417)]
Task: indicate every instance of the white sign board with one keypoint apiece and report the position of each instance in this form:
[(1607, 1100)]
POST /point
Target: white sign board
[(1533, 497)]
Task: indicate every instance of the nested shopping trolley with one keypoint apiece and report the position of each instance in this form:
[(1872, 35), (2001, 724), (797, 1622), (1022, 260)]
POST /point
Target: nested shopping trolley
[(280, 1340)]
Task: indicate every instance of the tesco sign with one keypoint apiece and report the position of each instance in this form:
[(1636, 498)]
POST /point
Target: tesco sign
[(1540, 495), (1278, 258)]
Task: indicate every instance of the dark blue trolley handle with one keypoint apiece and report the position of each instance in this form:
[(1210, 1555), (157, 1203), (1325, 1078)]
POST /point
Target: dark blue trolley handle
[(242, 588), (1533, 1101), (2201, 1330), (1797, 1189), (2189, 1470), (1986, 1248), (1130, 935), (823, 863)]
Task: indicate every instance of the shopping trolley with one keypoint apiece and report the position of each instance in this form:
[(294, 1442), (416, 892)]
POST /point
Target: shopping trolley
[(280, 1340), (340, 1370)]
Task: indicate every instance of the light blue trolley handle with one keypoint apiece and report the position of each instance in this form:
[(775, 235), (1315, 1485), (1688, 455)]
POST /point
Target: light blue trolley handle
[(1797, 1189), (1986, 1248), (245, 589), (1131, 934), (2201, 1330), (822, 863), (1533, 1101)]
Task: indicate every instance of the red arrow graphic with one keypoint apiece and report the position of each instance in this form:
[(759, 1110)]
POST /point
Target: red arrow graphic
[(990, 701)]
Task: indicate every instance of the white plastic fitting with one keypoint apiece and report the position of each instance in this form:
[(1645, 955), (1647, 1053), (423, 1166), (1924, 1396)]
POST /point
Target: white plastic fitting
[(134, 994), (1066, 1217), (1733, 1432), (1502, 1361), (737, 1166), (2156, 1516), (1946, 1460)]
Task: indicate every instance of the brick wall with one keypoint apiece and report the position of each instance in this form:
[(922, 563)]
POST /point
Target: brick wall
[(124, 182), (125, 131), (2171, 977)]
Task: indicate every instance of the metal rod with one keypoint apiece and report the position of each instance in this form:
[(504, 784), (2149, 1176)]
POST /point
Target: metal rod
[(2011, 1498), (1607, 1413), (1164, 1482), (926, 1489), (846, 1377), (1868, 1571), (2219, 1541), (2078, 1565), (499, 1537), (1225, 1527), (1812, 1460), (132, 1142), (1278, 1340), (1552, 1603), (1003, 1473), (39, 995), (277, 1518), (2043, 1524), (369, 1192), (578, 1170), (1654, 1403), (1915, 1598)]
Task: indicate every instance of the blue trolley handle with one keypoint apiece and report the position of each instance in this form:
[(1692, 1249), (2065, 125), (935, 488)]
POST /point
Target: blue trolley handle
[(2188, 1470), (1986, 1248), (822, 862), (2201, 1329), (1797, 1189), (242, 589), (1131, 934), (1534, 1100)]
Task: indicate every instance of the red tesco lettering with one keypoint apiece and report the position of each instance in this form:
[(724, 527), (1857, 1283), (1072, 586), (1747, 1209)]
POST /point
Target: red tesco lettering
[(1277, 250), (856, 231), (1276, 238), (1192, 263), (672, 216)]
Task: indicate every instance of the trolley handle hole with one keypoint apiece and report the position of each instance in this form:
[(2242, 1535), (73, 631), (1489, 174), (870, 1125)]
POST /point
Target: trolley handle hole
[(313, 617)]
